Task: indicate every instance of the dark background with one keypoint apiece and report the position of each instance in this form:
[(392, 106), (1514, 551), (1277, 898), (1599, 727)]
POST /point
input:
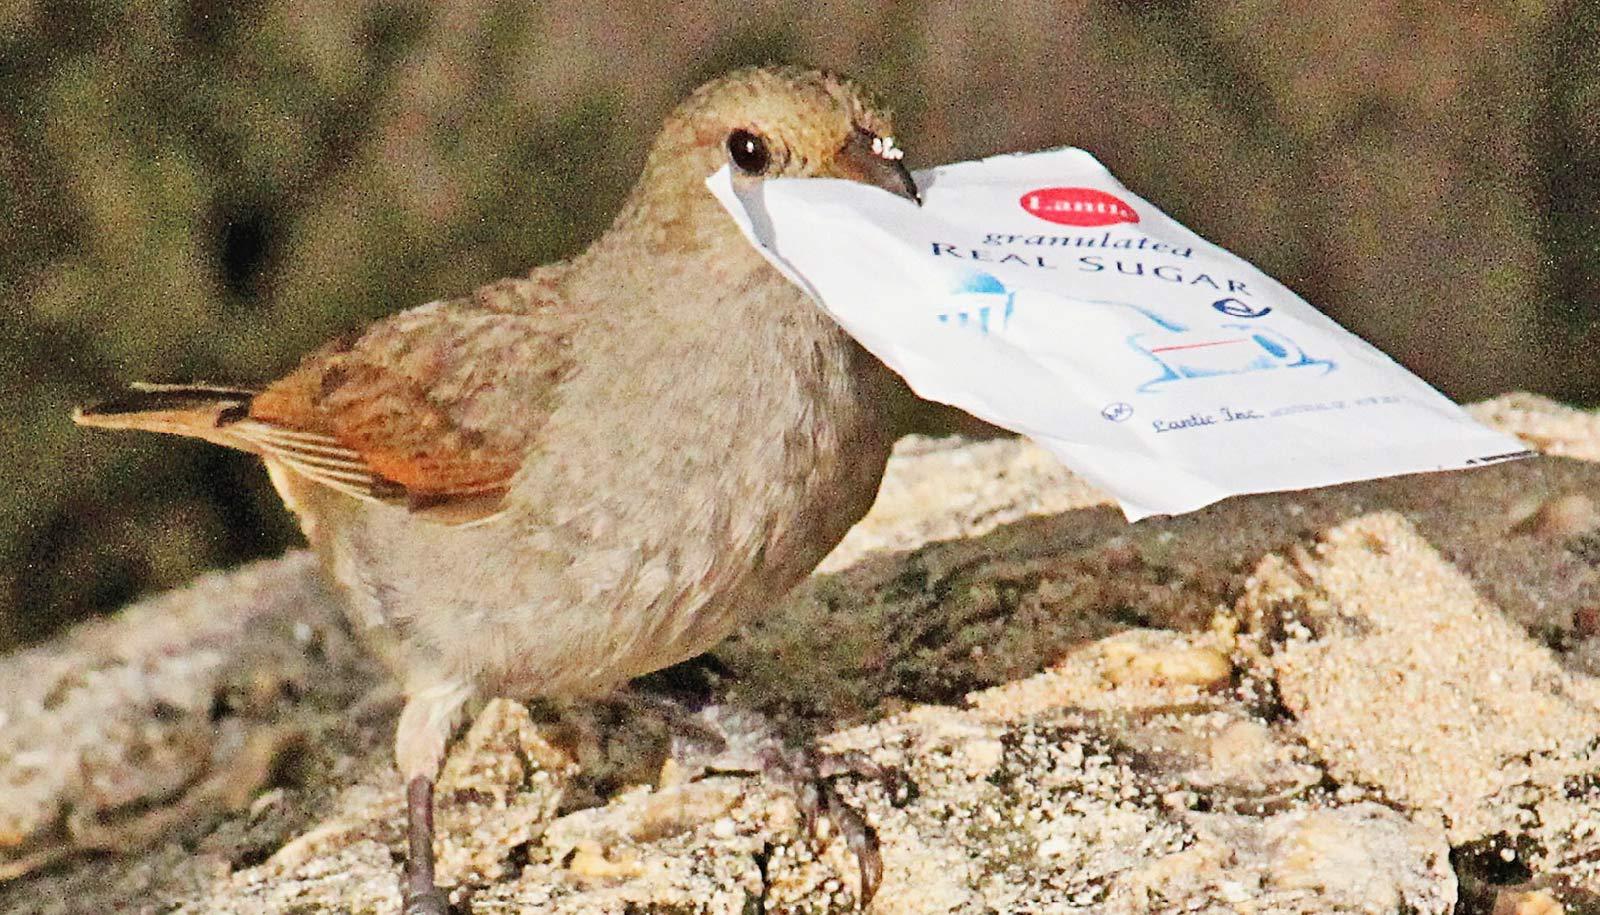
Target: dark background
[(204, 190)]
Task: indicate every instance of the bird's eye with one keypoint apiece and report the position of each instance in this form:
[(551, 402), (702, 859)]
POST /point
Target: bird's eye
[(749, 152)]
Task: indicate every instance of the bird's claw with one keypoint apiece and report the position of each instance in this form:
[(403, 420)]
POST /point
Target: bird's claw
[(428, 902), (819, 801), (857, 833), (724, 739), (899, 787)]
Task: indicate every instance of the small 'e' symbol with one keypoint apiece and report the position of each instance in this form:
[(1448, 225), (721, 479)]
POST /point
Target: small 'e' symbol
[(1117, 412), (1239, 308)]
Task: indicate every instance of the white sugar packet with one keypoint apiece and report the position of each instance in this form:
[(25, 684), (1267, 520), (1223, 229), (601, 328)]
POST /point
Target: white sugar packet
[(1038, 293)]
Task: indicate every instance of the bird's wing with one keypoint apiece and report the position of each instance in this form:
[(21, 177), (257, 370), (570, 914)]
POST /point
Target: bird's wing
[(435, 407)]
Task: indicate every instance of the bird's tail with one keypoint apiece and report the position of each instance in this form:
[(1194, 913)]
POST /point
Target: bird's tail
[(194, 410)]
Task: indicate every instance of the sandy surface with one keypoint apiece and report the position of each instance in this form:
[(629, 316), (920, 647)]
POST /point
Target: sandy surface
[(1374, 698)]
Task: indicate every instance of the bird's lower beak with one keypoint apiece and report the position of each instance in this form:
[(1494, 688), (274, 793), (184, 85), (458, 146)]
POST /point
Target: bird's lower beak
[(875, 161)]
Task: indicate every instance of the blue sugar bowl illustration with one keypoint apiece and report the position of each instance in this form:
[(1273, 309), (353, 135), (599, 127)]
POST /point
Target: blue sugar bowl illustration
[(1228, 348), (979, 300)]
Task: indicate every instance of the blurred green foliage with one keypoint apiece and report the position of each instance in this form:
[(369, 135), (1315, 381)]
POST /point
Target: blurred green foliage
[(204, 190)]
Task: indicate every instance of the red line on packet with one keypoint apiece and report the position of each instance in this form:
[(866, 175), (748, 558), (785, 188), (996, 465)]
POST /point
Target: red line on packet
[(1168, 349)]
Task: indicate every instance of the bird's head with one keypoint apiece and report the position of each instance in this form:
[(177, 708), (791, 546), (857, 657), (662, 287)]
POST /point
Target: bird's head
[(771, 122)]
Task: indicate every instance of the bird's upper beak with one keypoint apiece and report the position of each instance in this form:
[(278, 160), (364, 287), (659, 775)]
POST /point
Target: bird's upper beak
[(875, 160)]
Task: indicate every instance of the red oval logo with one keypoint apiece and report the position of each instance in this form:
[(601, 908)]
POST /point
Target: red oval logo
[(1077, 206)]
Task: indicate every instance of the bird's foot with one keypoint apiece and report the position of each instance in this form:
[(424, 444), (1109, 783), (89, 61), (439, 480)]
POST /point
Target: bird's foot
[(428, 902), (812, 777), (711, 737), (745, 742)]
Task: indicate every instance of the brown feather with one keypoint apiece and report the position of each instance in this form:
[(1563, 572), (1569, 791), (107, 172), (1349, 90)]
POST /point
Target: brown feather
[(221, 416), (444, 400), (414, 411)]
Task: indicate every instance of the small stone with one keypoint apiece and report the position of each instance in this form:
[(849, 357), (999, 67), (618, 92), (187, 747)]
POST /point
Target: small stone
[(1137, 659), (1527, 902), (1243, 739), (265, 802), (1054, 847), (1586, 621), (1233, 891), (1346, 855), (985, 755), (673, 774), (1561, 518), (590, 860)]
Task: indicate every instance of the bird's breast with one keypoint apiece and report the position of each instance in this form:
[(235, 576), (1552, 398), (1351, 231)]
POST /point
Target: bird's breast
[(695, 489)]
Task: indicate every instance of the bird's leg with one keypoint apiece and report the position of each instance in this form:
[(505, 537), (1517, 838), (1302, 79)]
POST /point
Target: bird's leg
[(419, 744), (419, 894)]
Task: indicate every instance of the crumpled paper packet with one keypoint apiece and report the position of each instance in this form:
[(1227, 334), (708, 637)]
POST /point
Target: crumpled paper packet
[(1037, 293)]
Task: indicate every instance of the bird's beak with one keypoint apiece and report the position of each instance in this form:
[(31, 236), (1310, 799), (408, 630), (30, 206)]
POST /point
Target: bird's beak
[(875, 160)]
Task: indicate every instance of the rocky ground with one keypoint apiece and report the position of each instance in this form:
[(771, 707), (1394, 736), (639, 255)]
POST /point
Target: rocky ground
[(1376, 698)]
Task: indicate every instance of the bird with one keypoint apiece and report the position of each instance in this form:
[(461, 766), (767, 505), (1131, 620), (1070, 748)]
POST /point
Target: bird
[(577, 476)]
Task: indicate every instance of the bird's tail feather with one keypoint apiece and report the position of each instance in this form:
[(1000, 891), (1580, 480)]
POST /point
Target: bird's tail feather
[(194, 410)]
